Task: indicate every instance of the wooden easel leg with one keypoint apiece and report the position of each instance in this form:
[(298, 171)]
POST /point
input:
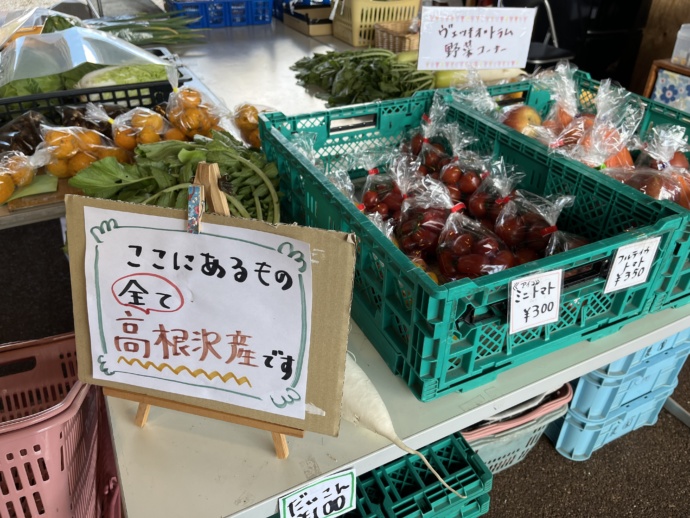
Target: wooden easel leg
[(280, 444), (142, 414)]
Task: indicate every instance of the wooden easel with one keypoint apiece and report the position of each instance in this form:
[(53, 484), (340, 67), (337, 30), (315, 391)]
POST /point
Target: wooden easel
[(207, 176)]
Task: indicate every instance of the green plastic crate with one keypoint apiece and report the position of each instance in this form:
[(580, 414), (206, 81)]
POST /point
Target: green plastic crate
[(454, 337), (674, 290), (406, 488)]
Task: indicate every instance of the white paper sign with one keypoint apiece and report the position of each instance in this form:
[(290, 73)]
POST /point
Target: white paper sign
[(631, 265), (332, 495), (460, 38), (535, 300), (222, 315)]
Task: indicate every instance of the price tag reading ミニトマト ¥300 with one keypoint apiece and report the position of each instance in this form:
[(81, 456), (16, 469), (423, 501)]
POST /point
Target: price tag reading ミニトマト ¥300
[(330, 496), (632, 265), (535, 300)]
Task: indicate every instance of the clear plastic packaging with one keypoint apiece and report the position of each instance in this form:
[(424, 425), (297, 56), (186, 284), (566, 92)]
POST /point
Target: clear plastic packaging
[(619, 114), (22, 133), (22, 168), (528, 221), (474, 93), (463, 173), (467, 249), (73, 149), (672, 184), (76, 116), (246, 120), (421, 221), (137, 126), (559, 81), (40, 62), (191, 113), (665, 147), (495, 191)]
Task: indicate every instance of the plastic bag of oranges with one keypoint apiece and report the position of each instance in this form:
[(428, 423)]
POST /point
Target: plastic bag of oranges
[(137, 126), (73, 148), (246, 119), (190, 113), (18, 170)]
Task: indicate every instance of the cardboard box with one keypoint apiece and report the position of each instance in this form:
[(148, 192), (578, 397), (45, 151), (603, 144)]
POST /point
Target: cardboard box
[(312, 21)]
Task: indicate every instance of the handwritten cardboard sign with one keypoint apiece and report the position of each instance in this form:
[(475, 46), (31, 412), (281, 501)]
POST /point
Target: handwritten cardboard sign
[(461, 38), (238, 317)]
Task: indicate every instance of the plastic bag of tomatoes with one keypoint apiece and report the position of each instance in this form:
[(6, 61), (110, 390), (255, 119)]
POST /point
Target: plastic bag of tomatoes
[(493, 193), (527, 224), (422, 219), (559, 81), (664, 148), (672, 184), (605, 143), (466, 249)]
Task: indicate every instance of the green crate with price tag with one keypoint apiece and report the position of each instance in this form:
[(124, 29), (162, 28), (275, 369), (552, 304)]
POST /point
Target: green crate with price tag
[(459, 335)]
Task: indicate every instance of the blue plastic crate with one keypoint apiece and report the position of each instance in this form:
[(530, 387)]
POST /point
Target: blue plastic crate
[(225, 13), (626, 364), (262, 12), (577, 439), (597, 395)]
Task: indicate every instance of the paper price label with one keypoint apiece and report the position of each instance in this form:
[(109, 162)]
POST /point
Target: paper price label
[(330, 496), (632, 265), (535, 300)]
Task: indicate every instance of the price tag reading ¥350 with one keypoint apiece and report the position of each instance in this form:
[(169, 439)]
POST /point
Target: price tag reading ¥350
[(332, 495), (535, 300), (632, 265)]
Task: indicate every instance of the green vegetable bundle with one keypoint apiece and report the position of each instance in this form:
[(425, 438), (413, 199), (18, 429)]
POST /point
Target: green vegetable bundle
[(362, 76), (138, 29), (163, 171)]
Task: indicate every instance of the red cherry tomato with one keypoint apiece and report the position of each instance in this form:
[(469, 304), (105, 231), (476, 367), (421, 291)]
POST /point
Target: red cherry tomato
[(469, 182), (472, 265), (370, 199), (450, 175)]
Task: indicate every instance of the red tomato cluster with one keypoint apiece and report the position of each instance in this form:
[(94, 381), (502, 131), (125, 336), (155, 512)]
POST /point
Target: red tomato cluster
[(467, 254), (384, 198), (419, 229)]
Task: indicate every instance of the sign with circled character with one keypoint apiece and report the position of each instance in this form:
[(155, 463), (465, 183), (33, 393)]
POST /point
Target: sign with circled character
[(461, 38), (224, 316)]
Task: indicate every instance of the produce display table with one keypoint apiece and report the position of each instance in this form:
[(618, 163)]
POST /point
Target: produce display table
[(181, 465)]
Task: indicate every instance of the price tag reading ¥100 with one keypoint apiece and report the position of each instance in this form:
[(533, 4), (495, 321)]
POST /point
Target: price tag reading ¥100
[(535, 300), (632, 265), (332, 495)]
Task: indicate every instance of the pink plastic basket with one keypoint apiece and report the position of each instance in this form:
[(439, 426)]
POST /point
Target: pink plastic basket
[(560, 398), (48, 432)]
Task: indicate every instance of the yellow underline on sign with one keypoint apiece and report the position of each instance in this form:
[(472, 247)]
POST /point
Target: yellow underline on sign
[(193, 373)]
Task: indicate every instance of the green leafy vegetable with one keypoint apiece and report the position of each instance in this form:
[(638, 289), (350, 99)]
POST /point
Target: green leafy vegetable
[(361, 76), (163, 171)]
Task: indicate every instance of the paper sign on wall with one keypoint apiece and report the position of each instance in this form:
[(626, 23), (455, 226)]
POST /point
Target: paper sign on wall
[(632, 265), (224, 315), (535, 300), (329, 496), (461, 38)]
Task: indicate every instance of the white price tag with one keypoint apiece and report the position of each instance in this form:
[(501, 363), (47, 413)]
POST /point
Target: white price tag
[(535, 300), (332, 495), (632, 265)]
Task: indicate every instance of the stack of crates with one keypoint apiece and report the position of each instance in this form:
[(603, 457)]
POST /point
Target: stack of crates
[(280, 6), (620, 397)]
